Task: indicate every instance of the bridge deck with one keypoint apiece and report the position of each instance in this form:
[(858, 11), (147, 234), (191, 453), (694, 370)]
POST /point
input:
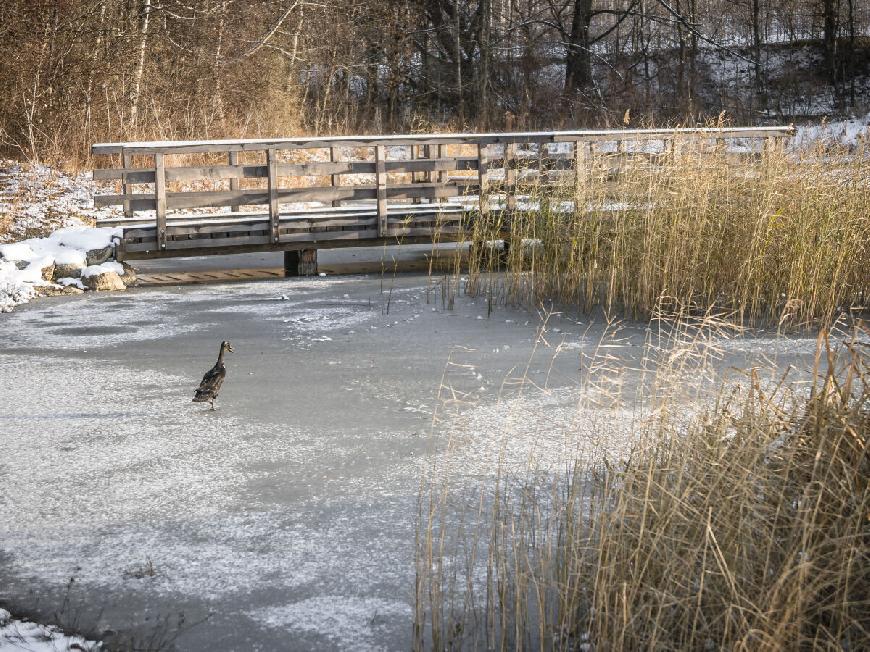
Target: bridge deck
[(309, 193)]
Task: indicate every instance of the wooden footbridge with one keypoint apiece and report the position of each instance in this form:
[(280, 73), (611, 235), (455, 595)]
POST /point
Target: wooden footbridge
[(297, 195)]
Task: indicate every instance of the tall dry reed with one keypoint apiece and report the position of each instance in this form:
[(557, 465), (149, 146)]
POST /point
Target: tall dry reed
[(743, 527), (773, 236)]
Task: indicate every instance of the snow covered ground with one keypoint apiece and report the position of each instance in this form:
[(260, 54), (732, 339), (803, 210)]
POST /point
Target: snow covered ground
[(24, 636), (36, 199), (849, 133)]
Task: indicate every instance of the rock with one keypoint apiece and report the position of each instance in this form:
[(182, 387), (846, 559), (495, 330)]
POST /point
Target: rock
[(129, 275), (67, 270), (54, 291), (22, 264), (99, 256), (48, 272), (105, 282)]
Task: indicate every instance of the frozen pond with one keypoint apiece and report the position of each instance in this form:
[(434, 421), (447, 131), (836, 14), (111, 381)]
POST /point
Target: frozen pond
[(286, 518)]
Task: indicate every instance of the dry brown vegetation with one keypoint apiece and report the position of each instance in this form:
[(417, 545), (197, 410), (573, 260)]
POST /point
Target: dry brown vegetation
[(83, 71), (778, 237), (742, 526)]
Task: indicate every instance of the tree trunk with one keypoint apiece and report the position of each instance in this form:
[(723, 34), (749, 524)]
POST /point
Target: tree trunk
[(459, 91), (140, 66), (830, 37), (756, 51), (851, 58), (578, 60), (483, 79)]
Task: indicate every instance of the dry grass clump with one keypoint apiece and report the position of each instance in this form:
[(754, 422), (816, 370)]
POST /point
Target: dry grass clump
[(745, 529), (772, 236)]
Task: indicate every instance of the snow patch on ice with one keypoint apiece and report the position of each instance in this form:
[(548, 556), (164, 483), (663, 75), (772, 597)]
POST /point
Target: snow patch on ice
[(24, 636)]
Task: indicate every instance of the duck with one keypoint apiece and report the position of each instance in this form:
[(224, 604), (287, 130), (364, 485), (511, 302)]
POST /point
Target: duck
[(213, 379)]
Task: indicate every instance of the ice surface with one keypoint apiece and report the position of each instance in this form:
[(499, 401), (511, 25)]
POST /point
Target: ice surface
[(351, 622)]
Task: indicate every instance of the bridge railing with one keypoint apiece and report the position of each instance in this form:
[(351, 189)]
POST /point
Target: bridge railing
[(382, 173)]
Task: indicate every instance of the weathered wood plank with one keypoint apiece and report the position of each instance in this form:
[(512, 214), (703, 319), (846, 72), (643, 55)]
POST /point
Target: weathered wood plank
[(427, 231), (381, 182), (582, 154), (264, 224), (127, 162), (130, 175), (314, 168), (325, 244), (272, 162), (327, 236), (334, 179), (256, 197), (160, 199), (483, 178), (510, 175), (179, 147), (235, 184), (286, 214)]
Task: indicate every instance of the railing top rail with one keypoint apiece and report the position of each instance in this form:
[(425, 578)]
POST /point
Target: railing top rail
[(313, 142)]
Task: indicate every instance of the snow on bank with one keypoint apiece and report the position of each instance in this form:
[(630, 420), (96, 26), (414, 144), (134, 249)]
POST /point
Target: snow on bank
[(96, 270), (848, 133), (36, 199), (23, 636), (28, 265)]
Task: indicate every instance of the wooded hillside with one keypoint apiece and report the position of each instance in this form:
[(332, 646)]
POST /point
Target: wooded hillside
[(79, 71)]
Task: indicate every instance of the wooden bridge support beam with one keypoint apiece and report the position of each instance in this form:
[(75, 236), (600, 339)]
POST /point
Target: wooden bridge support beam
[(300, 262)]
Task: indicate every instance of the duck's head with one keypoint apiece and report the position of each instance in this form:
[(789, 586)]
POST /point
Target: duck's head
[(226, 346)]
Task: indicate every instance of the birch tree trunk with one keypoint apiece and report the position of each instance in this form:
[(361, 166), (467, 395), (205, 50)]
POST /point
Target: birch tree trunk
[(145, 17)]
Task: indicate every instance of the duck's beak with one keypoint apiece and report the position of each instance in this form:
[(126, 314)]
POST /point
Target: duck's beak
[(229, 348)]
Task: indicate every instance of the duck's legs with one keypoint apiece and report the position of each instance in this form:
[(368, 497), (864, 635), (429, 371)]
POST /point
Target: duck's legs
[(211, 402)]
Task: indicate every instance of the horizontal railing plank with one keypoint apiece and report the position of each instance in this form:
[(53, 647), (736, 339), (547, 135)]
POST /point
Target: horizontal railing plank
[(256, 197), (312, 169), (316, 142)]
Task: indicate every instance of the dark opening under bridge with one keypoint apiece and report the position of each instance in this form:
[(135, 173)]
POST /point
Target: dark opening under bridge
[(298, 195)]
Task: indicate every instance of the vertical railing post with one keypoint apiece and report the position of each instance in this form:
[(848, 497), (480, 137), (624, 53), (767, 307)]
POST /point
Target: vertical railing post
[(416, 177), (274, 216), (160, 199), (483, 178), (429, 177), (234, 181), (581, 169), (334, 179), (441, 174), (127, 163), (510, 175), (381, 185)]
